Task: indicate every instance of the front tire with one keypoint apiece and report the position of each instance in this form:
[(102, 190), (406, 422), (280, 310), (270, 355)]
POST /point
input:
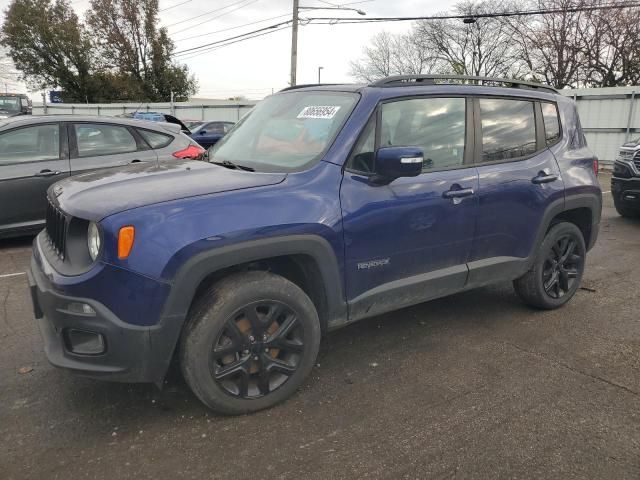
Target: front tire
[(557, 269), (627, 212), (250, 341)]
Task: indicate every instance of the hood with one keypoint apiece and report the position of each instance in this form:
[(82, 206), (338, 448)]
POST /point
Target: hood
[(631, 145), (96, 195)]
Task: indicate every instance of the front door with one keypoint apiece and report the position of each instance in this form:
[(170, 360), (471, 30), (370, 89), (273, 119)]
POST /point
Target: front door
[(31, 159), (409, 241)]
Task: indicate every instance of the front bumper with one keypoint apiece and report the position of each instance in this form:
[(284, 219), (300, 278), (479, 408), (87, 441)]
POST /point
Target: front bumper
[(626, 192), (127, 354)]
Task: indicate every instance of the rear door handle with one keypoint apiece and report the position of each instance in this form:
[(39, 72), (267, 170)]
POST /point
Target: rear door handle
[(544, 177), (461, 193), (47, 173)]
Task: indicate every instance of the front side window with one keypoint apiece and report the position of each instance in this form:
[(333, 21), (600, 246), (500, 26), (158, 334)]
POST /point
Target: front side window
[(508, 129), (103, 139), (551, 123), (30, 144), (286, 132), (437, 125)]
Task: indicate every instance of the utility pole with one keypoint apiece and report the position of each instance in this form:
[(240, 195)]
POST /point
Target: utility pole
[(294, 43), (172, 107), (319, 68), (44, 102)]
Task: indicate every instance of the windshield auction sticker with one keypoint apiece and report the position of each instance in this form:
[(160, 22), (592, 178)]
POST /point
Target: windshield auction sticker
[(318, 112)]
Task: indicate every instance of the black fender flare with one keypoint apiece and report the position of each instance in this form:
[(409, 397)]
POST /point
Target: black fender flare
[(583, 200), (190, 275)]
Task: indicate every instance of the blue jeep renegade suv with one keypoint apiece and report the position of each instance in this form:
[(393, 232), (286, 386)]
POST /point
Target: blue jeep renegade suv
[(323, 206)]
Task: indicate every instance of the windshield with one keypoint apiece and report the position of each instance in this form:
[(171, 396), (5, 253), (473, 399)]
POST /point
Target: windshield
[(10, 104), (286, 132)]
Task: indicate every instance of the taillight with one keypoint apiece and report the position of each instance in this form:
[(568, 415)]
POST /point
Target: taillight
[(194, 152), (596, 166)]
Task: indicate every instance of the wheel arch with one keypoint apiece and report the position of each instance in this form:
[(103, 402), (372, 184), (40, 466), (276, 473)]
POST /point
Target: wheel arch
[(309, 261)]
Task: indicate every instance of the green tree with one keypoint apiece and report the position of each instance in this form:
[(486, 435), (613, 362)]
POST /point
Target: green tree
[(129, 41), (51, 48)]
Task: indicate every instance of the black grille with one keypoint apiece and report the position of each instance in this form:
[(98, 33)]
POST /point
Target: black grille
[(636, 159), (56, 228)]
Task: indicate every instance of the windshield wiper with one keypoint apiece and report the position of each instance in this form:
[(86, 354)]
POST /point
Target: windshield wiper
[(234, 166)]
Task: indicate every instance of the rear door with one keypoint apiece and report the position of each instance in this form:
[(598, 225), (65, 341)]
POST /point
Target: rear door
[(31, 159), (519, 179), (96, 145), (409, 241)]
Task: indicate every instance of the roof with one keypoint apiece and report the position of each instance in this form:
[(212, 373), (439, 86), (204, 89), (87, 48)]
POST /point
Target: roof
[(20, 120)]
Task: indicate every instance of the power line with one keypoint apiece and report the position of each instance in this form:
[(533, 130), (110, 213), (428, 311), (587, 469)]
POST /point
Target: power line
[(217, 16), (201, 52), (205, 13), (231, 28), (336, 20), (270, 27), (174, 6), (522, 13)]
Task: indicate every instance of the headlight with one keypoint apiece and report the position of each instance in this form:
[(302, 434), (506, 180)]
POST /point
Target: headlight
[(93, 240)]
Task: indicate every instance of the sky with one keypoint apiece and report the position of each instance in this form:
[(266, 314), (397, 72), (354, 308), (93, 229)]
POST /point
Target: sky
[(254, 67)]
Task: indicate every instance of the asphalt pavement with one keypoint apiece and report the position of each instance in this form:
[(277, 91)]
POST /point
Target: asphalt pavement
[(472, 386)]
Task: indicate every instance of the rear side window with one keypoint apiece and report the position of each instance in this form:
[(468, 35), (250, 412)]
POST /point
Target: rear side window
[(508, 129), (155, 139), (30, 144), (103, 139), (551, 123), (437, 125)]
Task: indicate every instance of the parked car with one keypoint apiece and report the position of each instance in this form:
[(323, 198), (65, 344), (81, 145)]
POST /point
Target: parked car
[(323, 206), (208, 134), (37, 151), (625, 181), (158, 117), (14, 104)]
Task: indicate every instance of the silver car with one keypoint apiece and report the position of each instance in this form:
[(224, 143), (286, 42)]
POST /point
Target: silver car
[(37, 151)]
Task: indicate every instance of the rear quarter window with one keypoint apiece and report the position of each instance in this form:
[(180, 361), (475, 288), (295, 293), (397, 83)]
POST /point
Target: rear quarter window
[(551, 123), (155, 139)]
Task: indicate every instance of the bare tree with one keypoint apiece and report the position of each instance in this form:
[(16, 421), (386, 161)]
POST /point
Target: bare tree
[(611, 47), (485, 47), (550, 44), (391, 54)]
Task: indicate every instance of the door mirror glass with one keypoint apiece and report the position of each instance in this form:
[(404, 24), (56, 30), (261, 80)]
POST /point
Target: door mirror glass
[(396, 162)]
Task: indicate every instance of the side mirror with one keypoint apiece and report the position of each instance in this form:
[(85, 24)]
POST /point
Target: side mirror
[(202, 132), (396, 162)]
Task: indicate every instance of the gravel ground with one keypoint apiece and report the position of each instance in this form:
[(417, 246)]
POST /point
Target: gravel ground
[(471, 386)]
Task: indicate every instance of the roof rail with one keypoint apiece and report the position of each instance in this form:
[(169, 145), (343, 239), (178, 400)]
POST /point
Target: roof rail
[(294, 87), (413, 80)]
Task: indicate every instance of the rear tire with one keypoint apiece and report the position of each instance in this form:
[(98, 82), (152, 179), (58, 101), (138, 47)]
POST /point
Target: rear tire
[(249, 342), (557, 269)]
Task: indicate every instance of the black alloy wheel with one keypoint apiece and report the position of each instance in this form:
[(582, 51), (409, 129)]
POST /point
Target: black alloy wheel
[(562, 267), (258, 349), (556, 271)]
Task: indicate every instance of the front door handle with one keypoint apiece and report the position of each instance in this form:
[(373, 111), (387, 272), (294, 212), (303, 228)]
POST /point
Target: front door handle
[(544, 177), (47, 173), (461, 193)]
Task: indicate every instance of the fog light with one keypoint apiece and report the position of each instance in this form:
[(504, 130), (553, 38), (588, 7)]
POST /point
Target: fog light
[(81, 309), (83, 342)]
